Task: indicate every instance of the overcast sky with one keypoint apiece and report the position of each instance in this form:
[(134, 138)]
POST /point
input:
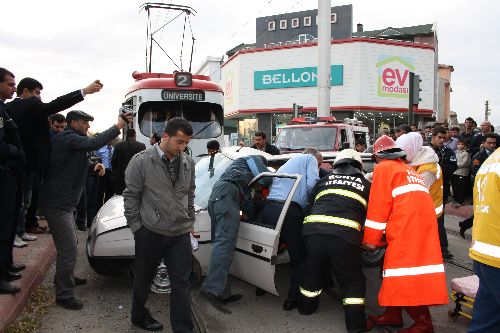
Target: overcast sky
[(68, 44)]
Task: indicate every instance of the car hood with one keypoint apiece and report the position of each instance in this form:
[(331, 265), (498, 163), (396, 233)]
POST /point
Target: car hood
[(111, 216)]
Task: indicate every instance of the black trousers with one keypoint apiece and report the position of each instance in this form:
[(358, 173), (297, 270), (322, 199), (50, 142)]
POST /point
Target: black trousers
[(91, 189), (81, 209), (150, 248), (31, 220), (443, 238), (291, 235), (10, 202), (327, 253), (460, 185), (104, 189)]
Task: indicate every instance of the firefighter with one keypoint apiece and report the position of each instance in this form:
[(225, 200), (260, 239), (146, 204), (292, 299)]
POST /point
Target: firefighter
[(332, 234), (413, 274)]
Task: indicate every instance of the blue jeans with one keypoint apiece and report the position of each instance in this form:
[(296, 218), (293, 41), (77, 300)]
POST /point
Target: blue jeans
[(224, 211), (486, 315)]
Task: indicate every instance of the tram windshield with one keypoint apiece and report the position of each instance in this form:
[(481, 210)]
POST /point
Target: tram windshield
[(206, 118)]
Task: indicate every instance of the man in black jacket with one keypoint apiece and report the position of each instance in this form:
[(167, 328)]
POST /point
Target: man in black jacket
[(447, 158), (448, 164), (122, 154), (260, 143), (61, 190), (30, 114), (12, 160)]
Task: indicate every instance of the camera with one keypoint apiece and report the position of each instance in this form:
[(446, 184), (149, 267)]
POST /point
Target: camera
[(127, 108)]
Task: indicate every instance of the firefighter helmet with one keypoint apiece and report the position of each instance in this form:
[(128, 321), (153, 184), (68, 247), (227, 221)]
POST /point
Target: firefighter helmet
[(349, 156), (386, 147)]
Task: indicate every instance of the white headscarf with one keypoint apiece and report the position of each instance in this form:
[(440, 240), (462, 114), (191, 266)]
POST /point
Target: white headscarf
[(411, 143)]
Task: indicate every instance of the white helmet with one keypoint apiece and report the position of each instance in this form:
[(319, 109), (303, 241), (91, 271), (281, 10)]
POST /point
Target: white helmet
[(348, 156)]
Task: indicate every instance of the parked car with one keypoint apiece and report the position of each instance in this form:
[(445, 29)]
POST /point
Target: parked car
[(110, 244)]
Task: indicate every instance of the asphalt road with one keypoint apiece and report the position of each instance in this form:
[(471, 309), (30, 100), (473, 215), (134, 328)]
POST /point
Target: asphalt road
[(108, 300)]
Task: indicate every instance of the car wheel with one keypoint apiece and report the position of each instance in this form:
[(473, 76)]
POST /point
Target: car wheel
[(373, 259)]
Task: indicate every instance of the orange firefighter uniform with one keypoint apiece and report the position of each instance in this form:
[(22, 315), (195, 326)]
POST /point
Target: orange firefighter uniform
[(401, 206)]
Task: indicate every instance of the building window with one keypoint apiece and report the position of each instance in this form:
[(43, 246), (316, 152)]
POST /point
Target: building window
[(271, 25), (295, 23), (307, 21), (333, 18), (283, 24)]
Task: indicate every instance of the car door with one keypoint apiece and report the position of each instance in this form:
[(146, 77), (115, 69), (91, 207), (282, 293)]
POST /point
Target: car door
[(256, 250)]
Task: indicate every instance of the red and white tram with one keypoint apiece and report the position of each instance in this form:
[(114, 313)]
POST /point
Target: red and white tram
[(156, 97)]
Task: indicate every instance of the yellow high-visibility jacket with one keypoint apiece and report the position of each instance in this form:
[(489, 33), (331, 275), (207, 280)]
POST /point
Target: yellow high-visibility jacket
[(486, 231)]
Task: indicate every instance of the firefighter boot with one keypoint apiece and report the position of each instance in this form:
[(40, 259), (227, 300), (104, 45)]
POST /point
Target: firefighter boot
[(393, 316), (423, 320)]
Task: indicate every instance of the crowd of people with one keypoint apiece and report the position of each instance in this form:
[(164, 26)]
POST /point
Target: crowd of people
[(50, 164)]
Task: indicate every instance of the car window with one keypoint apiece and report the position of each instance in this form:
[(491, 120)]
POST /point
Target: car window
[(205, 179)]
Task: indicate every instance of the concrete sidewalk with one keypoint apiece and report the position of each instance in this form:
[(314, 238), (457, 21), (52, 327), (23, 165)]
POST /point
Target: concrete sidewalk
[(38, 256)]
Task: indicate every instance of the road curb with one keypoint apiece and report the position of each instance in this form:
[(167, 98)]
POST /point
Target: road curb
[(460, 212), (38, 258)]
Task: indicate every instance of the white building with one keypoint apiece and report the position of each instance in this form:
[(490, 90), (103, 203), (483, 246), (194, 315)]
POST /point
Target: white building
[(369, 77)]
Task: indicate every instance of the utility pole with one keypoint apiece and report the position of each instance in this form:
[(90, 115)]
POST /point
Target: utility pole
[(324, 57), (487, 110)]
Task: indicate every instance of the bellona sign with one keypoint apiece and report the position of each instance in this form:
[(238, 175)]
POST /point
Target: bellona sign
[(295, 77)]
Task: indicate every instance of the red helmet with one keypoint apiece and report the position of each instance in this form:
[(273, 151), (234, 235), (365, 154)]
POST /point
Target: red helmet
[(385, 147)]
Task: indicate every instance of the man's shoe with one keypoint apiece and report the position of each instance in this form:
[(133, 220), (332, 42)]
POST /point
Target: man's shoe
[(289, 305), (148, 324), (216, 302), (18, 242), (7, 288), (16, 268), (70, 303), (28, 238), (446, 254), (36, 230), (80, 281), (232, 298), (7, 275)]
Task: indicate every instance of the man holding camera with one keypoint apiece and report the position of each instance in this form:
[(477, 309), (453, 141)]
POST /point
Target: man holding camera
[(61, 191)]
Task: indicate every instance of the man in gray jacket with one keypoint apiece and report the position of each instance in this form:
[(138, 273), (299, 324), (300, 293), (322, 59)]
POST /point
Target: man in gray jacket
[(61, 190), (159, 208)]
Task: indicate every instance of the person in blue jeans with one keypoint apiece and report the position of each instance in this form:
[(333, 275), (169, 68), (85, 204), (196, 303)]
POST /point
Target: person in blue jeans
[(229, 194)]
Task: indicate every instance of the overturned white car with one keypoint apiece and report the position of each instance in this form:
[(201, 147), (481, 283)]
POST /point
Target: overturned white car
[(110, 244)]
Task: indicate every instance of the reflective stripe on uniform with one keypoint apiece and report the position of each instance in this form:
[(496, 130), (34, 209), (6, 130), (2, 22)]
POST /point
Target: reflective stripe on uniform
[(485, 248), (438, 171), (345, 193), (353, 301), (308, 293), (419, 270), (333, 220), (409, 188), (375, 225), (439, 209)]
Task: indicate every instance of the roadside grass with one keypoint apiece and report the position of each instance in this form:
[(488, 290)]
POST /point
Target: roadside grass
[(31, 319)]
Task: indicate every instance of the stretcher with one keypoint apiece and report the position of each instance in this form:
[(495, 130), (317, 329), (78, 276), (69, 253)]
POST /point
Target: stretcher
[(463, 293)]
